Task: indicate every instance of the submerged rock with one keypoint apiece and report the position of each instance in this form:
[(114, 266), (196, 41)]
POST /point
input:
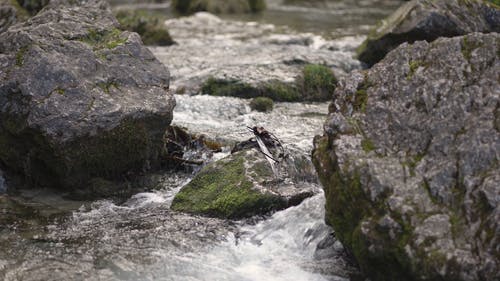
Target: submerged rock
[(243, 185), (429, 20), (409, 162), (248, 59), (79, 99)]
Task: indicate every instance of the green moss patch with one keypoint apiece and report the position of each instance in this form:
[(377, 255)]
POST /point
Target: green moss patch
[(317, 82), (100, 39), (222, 190), (219, 6), (468, 46), (147, 24), (414, 65), (20, 55), (262, 104)]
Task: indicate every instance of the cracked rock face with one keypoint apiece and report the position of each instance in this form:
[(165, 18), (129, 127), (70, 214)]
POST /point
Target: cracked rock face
[(429, 20), (79, 98), (409, 161)]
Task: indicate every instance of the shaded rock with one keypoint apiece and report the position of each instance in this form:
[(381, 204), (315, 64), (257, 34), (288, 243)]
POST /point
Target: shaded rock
[(3, 185), (428, 20), (10, 13), (243, 185), (33, 6), (219, 6), (247, 59), (409, 159), (186, 151), (79, 99), (150, 26)]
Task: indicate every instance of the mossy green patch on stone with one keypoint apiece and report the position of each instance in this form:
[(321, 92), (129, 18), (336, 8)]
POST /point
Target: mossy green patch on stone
[(221, 87), (20, 55), (367, 145), (281, 91), (414, 65), (317, 83), (468, 46), (107, 86), (147, 24), (361, 95), (221, 189), (262, 104), (219, 6), (100, 39)]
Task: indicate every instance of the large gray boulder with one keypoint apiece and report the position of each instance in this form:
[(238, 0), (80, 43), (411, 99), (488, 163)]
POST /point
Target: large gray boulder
[(79, 99), (429, 20), (409, 162)]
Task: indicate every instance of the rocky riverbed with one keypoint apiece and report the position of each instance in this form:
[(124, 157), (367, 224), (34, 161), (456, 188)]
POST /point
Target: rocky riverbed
[(406, 151)]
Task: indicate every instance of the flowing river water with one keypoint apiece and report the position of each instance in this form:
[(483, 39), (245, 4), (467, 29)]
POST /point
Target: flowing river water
[(44, 236)]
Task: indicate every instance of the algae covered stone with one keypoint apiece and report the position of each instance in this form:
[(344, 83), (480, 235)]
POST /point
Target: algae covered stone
[(428, 20), (314, 83), (409, 162), (317, 83), (219, 6), (262, 104), (238, 186), (79, 99), (148, 25)]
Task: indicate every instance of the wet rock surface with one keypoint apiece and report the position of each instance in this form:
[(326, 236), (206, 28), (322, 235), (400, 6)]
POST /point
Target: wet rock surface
[(79, 99), (244, 184), (409, 162), (245, 53), (429, 20)]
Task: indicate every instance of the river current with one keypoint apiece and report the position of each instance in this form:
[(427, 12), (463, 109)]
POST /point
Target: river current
[(44, 236)]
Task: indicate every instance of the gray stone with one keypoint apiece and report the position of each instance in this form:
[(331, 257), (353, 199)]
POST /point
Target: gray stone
[(412, 191), (429, 20), (79, 99)]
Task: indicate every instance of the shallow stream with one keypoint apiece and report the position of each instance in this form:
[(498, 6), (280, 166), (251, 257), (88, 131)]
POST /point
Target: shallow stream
[(46, 237)]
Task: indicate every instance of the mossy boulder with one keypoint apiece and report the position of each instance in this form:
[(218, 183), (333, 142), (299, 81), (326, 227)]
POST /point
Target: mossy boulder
[(409, 162), (428, 20), (219, 6), (262, 104), (79, 99), (314, 83), (239, 186), (148, 25)]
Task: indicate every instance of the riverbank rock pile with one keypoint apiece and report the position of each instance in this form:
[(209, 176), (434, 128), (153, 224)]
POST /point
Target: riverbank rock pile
[(79, 99), (409, 161), (429, 20)]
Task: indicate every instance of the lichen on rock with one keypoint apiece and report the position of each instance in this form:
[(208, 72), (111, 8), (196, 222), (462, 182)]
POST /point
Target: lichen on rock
[(408, 172)]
